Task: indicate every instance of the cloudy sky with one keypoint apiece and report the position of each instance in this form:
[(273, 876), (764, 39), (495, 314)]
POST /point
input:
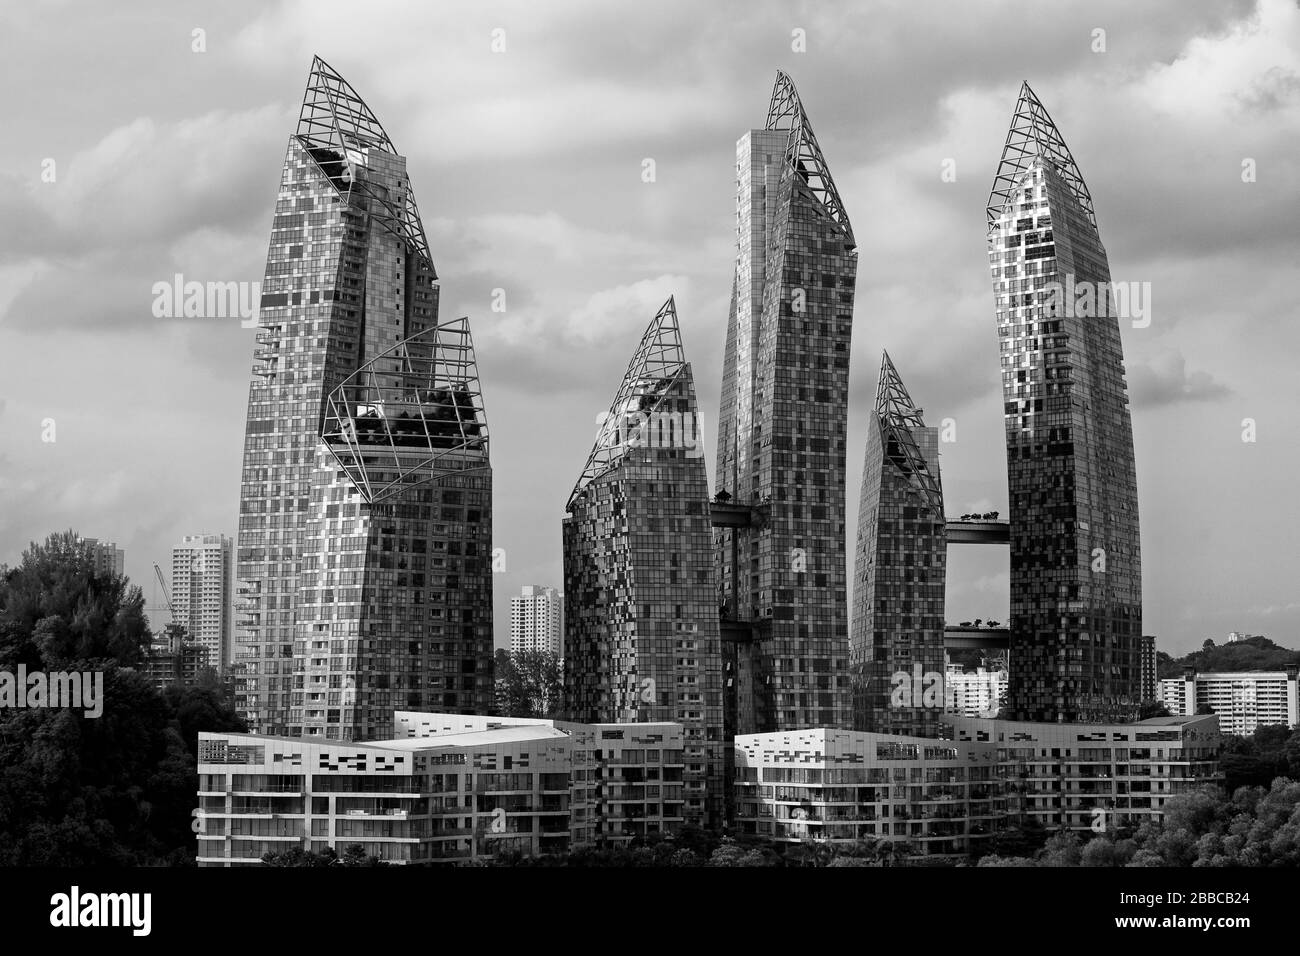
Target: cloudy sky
[(527, 163)]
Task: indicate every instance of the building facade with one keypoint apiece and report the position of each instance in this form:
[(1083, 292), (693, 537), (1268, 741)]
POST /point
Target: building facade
[(107, 557), (781, 438), (444, 791), (364, 560), (978, 693), (174, 660), (202, 578), (1076, 573), (1243, 701), (641, 619), (537, 620), (1091, 777), (946, 797), (841, 786), (899, 576), (1149, 669)]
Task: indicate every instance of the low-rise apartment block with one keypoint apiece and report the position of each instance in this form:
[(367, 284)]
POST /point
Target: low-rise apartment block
[(448, 789), (947, 797)]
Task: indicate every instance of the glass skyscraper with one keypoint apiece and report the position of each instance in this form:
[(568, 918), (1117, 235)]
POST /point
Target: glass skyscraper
[(780, 522), (896, 648), (641, 621), (364, 556), (1076, 572)]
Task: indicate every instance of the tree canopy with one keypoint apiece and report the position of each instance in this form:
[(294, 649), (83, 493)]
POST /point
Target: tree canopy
[(117, 789)]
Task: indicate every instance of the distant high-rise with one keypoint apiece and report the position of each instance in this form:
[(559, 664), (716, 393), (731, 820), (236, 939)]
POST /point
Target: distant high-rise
[(537, 620), (898, 585), (107, 556), (1076, 573), (201, 592), (641, 618), (1149, 668), (1243, 701), (781, 440), (364, 560)]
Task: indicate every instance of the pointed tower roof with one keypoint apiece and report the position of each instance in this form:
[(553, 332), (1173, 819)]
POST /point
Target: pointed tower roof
[(897, 416), (656, 365), (391, 422), (803, 155), (336, 127), (1033, 134)]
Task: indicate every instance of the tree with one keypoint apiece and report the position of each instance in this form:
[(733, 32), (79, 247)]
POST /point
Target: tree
[(117, 789), (1061, 849), (1152, 708), (528, 683)]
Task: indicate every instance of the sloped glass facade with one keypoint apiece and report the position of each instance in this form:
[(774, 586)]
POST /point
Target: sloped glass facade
[(781, 438), (1076, 574), (896, 648), (641, 622), (363, 583)]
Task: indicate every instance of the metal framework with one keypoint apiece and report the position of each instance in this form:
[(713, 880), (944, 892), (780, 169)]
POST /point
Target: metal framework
[(1033, 134), (412, 406), (656, 365), (336, 127), (897, 417), (803, 155)]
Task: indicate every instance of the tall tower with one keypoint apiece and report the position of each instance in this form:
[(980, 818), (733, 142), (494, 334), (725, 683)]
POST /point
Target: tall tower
[(898, 586), (1076, 572), (641, 621), (201, 583), (537, 620), (364, 558), (781, 440)]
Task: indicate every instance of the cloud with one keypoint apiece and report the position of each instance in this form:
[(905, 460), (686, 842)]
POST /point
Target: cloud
[(1166, 381)]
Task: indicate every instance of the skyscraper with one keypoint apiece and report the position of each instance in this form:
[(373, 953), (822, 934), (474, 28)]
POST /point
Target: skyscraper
[(537, 620), (201, 592), (898, 584), (781, 440), (364, 558), (1076, 573), (641, 621)]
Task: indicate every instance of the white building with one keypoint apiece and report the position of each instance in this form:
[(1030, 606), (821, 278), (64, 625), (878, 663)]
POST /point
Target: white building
[(201, 592), (1243, 700), (976, 694), (537, 620), (448, 788)]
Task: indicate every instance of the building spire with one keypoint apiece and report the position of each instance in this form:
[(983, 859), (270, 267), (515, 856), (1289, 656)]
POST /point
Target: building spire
[(803, 155), (658, 361), (337, 128), (898, 416), (1032, 134)]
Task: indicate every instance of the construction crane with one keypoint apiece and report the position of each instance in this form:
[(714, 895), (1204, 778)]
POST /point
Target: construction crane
[(167, 598), (167, 601)]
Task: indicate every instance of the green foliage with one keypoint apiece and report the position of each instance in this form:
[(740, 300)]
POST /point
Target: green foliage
[(1152, 708), (1249, 654), (1255, 761), (81, 791), (354, 854), (1258, 826), (528, 684)]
